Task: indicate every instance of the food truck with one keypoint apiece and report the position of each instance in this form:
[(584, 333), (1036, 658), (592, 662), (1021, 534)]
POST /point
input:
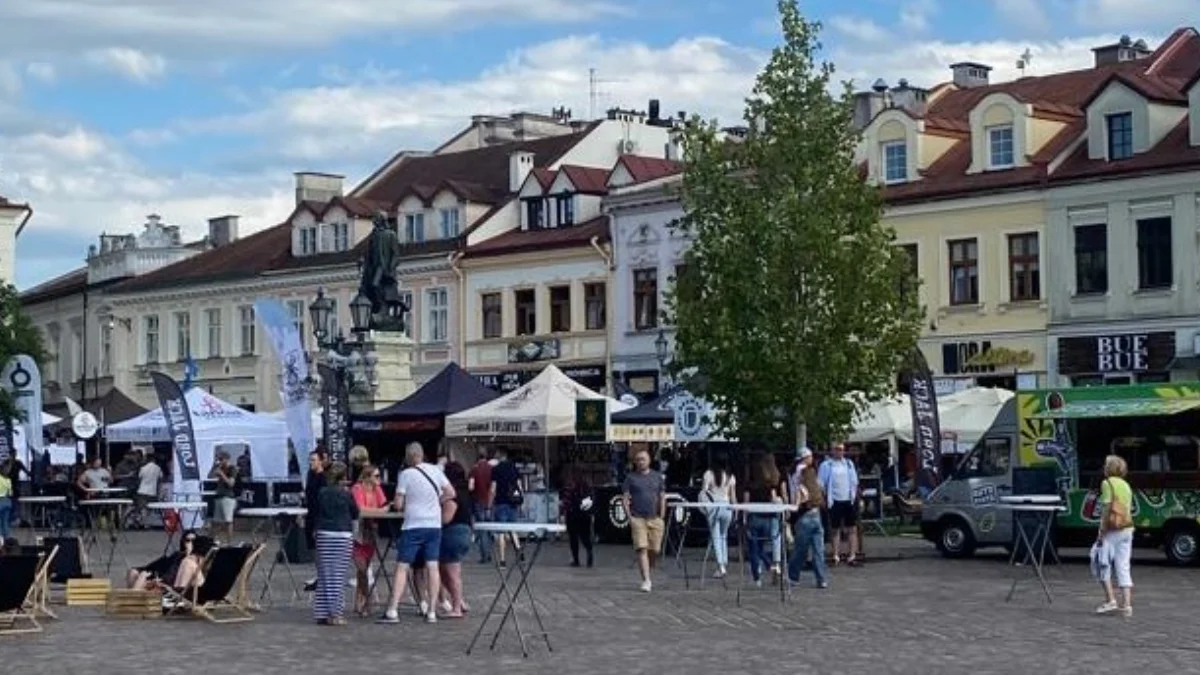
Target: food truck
[(1059, 438)]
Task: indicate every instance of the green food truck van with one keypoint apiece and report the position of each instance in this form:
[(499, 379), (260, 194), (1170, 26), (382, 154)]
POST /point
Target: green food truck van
[(1067, 433)]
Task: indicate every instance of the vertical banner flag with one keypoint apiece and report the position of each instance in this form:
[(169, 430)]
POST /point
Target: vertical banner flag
[(23, 380), (178, 418), (289, 349), (335, 416), (927, 432), (7, 449)]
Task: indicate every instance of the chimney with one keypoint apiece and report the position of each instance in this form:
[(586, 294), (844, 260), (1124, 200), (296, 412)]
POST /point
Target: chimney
[(654, 109), (1124, 50), (520, 163), (317, 187), (968, 74), (868, 104), (910, 98), (223, 230)]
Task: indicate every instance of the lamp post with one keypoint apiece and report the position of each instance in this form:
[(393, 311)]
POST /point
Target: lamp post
[(344, 357), (661, 350)]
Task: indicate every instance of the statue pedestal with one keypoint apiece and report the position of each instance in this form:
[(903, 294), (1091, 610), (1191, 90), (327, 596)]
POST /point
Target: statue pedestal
[(393, 370)]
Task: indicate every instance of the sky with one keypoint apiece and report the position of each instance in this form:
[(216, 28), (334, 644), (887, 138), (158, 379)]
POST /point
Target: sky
[(111, 110)]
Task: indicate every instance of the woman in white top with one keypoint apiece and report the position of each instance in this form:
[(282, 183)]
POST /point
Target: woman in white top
[(719, 487)]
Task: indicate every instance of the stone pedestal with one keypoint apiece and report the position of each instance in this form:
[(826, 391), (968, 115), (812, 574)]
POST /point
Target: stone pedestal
[(392, 372)]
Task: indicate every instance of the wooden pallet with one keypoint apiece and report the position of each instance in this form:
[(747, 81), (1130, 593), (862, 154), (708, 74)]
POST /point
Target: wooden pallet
[(88, 592), (134, 604)]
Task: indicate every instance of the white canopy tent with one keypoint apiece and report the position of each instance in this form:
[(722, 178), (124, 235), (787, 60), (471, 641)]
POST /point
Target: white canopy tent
[(216, 424), (48, 419), (880, 420), (544, 407), (964, 417)]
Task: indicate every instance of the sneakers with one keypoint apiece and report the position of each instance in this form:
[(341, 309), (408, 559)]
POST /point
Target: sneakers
[(647, 586), (1127, 612), (720, 573), (424, 606), (1108, 608), (431, 618), (389, 617), (446, 606), (823, 585)]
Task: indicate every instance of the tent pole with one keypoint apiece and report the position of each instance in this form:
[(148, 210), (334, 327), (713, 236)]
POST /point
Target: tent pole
[(546, 475)]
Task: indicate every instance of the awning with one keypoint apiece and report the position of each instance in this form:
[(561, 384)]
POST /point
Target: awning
[(1130, 408)]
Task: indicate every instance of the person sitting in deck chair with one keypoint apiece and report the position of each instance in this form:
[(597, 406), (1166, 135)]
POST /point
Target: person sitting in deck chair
[(165, 568)]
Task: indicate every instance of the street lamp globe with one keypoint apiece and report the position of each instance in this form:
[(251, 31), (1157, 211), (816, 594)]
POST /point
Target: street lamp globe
[(360, 313), (660, 348), (320, 311)]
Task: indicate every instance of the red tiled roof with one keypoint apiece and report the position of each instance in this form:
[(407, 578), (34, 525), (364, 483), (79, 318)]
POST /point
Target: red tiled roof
[(587, 180), (522, 241), (1173, 151), (246, 257), (61, 286), (644, 169), (545, 177), (1062, 97)]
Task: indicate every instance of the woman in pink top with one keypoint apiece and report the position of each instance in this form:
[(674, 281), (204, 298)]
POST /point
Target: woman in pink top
[(369, 496)]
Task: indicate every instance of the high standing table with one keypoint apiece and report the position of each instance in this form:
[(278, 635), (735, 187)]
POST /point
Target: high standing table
[(777, 510), (114, 508), (269, 515), (37, 508), (511, 596), (383, 550), (175, 506), (1043, 509)]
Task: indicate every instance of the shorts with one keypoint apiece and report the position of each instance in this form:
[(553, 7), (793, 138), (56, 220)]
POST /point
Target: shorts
[(456, 544), (647, 533), (843, 514), (421, 543), (223, 508), (504, 513)]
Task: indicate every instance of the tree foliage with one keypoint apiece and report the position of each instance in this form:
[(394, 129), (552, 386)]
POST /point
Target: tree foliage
[(792, 291), (17, 336)]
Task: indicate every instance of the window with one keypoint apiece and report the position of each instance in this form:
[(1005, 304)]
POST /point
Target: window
[(526, 302), (246, 314), (213, 318), (566, 209), (645, 299), (297, 310), (895, 162), (1024, 276), (437, 310), (595, 313), (414, 227), (964, 272), (990, 459), (492, 306), (535, 214), (341, 236), (1000, 147), (449, 218), (183, 335), (560, 309), (1120, 136), (407, 298), (1154, 253), (308, 240), (1091, 259), (150, 333), (106, 332)]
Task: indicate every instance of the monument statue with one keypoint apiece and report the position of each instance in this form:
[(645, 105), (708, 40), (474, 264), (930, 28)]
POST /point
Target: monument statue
[(378, 283)]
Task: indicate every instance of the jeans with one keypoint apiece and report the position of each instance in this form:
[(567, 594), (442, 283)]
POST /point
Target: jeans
[(761, 534), (482, 539), (810, 537), (6, 516), (718, 534)]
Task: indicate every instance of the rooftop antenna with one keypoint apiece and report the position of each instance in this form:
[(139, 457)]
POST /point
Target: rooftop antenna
[(594, 91), (1024, 61)]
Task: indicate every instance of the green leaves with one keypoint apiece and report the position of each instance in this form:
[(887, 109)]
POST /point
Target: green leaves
[(17, 336), (792, 292)]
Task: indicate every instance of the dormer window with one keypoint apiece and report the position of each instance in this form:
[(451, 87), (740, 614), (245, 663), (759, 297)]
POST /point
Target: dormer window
[(535, 214), (336, 237), (566, 209), (895, 162), (308, 240), (449, 223), (1001, 154), (414, 227), (1120, 135)]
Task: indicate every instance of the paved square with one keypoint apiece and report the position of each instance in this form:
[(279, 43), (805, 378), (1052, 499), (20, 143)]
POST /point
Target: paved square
[(908, 611)]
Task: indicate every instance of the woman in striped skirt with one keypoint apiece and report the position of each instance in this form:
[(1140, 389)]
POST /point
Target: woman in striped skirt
[(336, 513)]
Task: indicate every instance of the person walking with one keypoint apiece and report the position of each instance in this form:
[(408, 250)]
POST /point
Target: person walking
[(506, 497), (809, 534), (1116, 536), (575, 508), (480, 485), (644, 497), (719, 487), (336, 513), (839, 480), (762, 529)]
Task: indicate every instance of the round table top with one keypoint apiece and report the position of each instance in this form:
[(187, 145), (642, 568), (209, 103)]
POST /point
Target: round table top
[(386, 515), (177, 506), (272, 511), (106, 502), (521, 528), (43, 499)]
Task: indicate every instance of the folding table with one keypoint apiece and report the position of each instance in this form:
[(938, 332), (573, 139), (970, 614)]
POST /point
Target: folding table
[(98, 507), (510, 594), (1042, 510), (37, 508)]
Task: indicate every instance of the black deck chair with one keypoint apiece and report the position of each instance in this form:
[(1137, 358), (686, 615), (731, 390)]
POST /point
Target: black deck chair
[(19, 573), (225, 575)]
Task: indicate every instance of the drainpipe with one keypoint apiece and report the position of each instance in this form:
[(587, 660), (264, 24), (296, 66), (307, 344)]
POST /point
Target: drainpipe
[(460, 333), (608, 266)]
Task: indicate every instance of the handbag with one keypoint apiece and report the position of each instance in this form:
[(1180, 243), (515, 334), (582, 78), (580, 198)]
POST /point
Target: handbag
[(1099, 560), (449, 506), (1118, 517)]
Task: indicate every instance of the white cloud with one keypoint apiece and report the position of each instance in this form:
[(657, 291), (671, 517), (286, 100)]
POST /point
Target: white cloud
[(858, 29), (1124, 16), (915, 14), (130, 63), (41, 71), (10, 80), (1027, 14)]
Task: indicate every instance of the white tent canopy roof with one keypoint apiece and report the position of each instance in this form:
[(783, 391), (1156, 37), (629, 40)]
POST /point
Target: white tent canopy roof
[(881, 419), (967, 414), (542, 407)]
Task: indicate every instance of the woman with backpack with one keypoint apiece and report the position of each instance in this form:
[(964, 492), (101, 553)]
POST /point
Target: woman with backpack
[(719, 487)]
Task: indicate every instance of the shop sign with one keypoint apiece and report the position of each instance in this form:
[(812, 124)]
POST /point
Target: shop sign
[(1124, 353), (972, 357), (527, 351), (591, 421)]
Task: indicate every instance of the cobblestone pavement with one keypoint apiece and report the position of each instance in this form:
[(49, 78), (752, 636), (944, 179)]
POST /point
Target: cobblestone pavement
[(906, 611)]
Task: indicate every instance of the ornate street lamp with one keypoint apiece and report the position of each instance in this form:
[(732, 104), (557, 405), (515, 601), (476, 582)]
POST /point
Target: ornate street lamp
[(360, 314), (661, 347), (320, 311)]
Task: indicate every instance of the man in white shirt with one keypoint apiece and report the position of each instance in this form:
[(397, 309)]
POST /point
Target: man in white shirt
[(839, 479), (148, 478), (421, 489)]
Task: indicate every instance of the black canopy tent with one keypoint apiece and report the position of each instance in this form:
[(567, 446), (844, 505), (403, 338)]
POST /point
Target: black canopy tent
[(450, 391), (658, 411), (114, 406)]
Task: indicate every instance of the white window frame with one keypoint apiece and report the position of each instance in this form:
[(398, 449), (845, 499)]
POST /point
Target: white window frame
[(414, 225), (212, 321), (183, 335), (106, 332), (450, 222), (992, 140), (437, 315), (902, 145), (247, 331), (151, 342), (341, 236), (309, 240)]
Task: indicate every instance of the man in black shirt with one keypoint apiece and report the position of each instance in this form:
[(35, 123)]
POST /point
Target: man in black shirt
[(312, 490), (506, 495)]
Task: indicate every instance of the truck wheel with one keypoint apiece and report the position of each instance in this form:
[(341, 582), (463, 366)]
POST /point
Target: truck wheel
[(955, 539), (1183, 545)]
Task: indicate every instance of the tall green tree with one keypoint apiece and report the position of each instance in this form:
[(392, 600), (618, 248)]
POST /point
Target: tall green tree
[(792, 294), (17, 336)]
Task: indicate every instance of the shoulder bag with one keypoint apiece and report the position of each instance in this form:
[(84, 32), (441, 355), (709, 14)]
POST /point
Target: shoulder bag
[(449, 506), (1118, 517)]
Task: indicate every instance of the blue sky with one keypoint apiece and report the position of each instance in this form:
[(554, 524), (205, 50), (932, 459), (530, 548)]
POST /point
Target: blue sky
[(114, 109)]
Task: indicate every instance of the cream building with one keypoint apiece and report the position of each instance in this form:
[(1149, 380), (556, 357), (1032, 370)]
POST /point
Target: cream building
[(13, 218)]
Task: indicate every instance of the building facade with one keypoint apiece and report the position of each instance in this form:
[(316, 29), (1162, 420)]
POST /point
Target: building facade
[(13, 218)]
